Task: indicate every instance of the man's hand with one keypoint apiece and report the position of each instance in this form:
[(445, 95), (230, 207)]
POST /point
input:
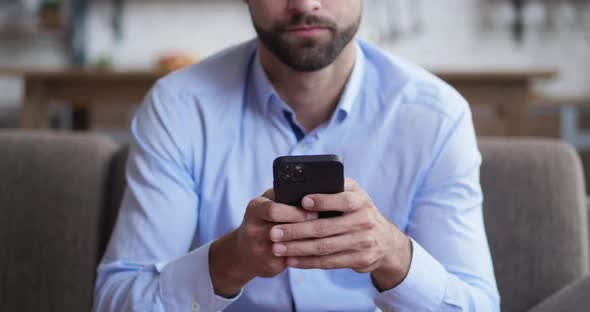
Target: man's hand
[(246, 253), (362, 239)]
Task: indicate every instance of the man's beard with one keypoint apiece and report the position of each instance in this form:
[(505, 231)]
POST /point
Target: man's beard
[(307, 54)]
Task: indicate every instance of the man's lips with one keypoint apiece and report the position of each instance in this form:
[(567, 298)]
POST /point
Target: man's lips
[(306, 31)]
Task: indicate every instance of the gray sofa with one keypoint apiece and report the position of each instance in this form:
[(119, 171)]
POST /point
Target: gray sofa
[(59, 194)]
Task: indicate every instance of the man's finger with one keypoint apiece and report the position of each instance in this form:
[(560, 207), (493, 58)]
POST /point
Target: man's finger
[(272, 211), (320, 247), (345, 202), (350, 185), (317, 228), (270, 194)]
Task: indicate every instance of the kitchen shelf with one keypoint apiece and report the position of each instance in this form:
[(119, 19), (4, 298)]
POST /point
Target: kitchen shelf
[(20, 32)]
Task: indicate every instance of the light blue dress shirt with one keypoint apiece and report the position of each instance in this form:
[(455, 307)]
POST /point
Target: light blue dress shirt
[(204, 142)]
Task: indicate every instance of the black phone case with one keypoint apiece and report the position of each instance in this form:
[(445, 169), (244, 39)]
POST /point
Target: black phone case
[(297, 176)]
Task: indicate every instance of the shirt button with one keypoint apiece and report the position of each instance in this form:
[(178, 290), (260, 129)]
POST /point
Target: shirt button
[(196, 307)]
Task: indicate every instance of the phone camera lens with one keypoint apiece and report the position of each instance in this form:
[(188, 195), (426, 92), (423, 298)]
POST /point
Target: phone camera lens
[(297, 173), (292, 173)]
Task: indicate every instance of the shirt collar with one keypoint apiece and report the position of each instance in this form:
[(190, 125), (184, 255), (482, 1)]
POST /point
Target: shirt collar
[(265, 92), (268, 99), (354, 84)]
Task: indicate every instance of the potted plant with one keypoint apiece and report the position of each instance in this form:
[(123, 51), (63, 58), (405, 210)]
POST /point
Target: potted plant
[(50, 14)]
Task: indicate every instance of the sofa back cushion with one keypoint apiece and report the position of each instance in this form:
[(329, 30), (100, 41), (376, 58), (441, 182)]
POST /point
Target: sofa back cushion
[(535, 217), (53, 190)]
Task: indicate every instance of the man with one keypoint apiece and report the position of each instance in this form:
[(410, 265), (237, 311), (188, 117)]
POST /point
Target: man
[(194, 233)]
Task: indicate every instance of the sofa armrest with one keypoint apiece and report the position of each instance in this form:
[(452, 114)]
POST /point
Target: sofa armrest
[(573, 297)]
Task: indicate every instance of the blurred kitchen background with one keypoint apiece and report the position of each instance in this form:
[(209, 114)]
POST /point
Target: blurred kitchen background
[(85, 65)]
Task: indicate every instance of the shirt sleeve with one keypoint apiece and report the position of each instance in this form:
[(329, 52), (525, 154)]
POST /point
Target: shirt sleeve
[(451, 268), (148, 264)]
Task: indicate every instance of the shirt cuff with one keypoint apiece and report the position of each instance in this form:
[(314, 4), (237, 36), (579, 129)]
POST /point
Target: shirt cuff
[(422, 290), (187, 286)]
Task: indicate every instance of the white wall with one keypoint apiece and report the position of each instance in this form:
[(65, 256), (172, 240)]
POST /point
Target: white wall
[(43, 51), (452, 37), (458, 35), (152, 29)]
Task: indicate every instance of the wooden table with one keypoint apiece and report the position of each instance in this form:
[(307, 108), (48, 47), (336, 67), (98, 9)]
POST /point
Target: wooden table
[(80, 89), (503, 94), (507, 94)]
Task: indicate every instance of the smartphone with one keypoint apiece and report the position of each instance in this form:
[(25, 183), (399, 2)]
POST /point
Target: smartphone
[(297, 176)]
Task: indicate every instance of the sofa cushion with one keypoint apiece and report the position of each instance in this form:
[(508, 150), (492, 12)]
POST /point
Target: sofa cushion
[(535, 217), (53, 187)]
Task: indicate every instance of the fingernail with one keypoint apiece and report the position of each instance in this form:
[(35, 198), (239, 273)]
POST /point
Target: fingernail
[(311, 216), (292, 262), (279, 249), (307, 202), (276, 234)]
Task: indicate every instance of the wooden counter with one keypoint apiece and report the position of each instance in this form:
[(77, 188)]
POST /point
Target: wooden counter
[(504, 94), (500, 100)]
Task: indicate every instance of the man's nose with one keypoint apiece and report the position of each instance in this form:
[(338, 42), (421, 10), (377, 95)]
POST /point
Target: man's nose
[(304, 6)]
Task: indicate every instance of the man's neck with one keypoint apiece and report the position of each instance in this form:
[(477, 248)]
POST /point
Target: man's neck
[(313, 96)]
